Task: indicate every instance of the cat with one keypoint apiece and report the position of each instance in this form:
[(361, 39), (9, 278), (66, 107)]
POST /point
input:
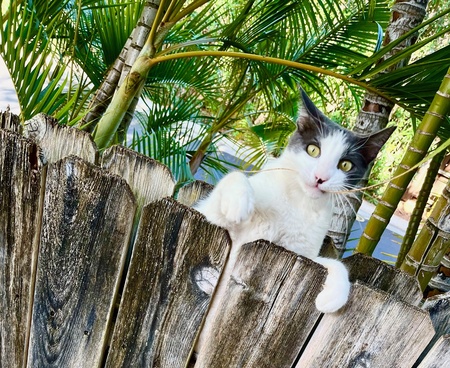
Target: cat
[(289, 201)]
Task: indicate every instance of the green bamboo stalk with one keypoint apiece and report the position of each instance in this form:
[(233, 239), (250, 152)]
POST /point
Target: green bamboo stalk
[(432, 243), (421, 142), (419, 208)]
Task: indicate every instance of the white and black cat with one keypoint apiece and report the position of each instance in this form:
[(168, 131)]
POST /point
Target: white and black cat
[(289, 202)]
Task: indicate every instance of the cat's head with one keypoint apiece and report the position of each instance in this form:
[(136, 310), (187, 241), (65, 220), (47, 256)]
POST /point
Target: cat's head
[(331, 158)]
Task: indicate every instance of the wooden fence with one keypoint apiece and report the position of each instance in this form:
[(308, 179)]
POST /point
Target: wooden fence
[(101, 267)]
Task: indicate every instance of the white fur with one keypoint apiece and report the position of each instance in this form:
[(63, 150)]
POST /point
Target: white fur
[(282, 204)]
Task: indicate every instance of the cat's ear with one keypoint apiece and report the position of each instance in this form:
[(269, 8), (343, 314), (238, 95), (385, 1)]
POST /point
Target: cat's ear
[(309, 110), (372, 143)]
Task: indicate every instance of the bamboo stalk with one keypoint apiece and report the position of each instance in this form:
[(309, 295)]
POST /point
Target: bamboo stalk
[(421, 142), (432, 243), (416, 216)]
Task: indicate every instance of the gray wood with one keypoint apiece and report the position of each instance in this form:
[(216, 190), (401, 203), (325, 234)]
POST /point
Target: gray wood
[(86, 225), (20, 181), (165, 297), (439, 355), (148, 179), (438, 307), (269, 310), (191, 193), (374, 329), (10, 121), (59, 141), (383, 276)]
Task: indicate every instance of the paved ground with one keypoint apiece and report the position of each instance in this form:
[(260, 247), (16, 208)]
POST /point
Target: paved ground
[(390, 241)]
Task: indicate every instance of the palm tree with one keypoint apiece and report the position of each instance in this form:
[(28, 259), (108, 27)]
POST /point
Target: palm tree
[(206, 72), (375, 111)]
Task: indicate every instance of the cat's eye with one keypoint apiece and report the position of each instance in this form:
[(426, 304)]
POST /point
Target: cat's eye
[(345, 165), (313, 150)]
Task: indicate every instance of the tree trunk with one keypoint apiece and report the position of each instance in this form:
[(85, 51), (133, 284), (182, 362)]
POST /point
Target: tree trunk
[(406, 14), (121, 66)]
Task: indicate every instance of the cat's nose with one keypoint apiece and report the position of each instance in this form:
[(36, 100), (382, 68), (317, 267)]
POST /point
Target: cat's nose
[(320, 180)]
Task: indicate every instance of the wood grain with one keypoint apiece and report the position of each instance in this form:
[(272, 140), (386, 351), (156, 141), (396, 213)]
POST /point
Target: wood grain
[(165, 298), (382, 276), (59, 141), (10, 121), (148, 179), (20, 182), (373, 329), (439, 355), (86, 226), (438, 307), (269, 310), (191, 193)]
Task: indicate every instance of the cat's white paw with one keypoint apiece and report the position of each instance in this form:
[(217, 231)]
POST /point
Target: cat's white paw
[(237, 199), (330, 300), (336, 288)]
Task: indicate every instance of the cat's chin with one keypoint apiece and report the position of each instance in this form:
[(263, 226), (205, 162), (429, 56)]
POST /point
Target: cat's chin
[(315, 192)]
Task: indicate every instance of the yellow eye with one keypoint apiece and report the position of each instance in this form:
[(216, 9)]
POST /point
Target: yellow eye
[(345, 165), (313, 150)]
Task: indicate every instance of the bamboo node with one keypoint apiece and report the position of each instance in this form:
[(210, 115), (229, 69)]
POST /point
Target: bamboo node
[(416, 150), (419, 131), (379, 218), (395, 186), (386, 204), (443, 94), (429, 268), (432, 113), (368, 237), (411, 262)]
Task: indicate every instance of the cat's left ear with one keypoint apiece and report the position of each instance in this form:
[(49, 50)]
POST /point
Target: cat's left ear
[(372, 143)]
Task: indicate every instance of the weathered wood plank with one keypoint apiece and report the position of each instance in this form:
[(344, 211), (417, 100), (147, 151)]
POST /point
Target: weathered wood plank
[(374, 329), (10, 121), (383, 276), (20, 181), (166, 292), (269, 310), (87, 220), (148, 179), (439, 355), (438, 307), (58, 141), (191, 193)]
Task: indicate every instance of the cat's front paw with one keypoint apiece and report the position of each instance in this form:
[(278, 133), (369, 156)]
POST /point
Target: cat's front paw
[(330, 299), (336, 288), (237, 200)]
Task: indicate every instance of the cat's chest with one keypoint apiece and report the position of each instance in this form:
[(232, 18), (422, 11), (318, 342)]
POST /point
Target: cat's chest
[(297, 226)]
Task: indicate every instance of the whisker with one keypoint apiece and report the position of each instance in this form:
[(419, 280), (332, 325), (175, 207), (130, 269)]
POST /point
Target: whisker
[(340, 191), (338, 201), (264, 170)]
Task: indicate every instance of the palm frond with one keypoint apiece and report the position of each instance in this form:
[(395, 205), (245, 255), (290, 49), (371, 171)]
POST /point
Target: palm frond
[(163, 146)]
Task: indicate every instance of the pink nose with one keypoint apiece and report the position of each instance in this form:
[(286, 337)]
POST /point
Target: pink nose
[(320, 180)]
